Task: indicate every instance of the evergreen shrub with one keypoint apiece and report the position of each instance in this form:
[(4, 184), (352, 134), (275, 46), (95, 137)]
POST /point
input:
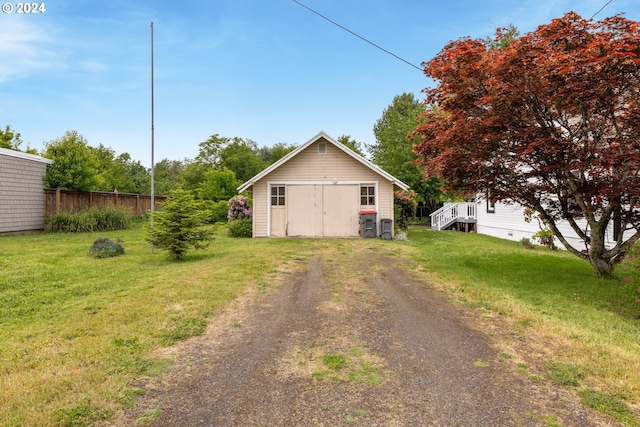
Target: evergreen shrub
[(180, 225)]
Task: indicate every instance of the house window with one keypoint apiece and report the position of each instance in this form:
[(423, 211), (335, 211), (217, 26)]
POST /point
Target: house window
[(367, 195), (277, 196), (491, 205), (322, 147)]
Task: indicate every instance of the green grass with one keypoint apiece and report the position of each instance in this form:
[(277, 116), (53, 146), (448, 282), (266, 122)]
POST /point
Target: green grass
[(77, 332), (587, 329)]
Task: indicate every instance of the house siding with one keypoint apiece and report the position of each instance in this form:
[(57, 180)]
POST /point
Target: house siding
[(507, 222), (21, 192), (308, 166)]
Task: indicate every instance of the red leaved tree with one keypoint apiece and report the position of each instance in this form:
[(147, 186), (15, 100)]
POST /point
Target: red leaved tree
[(550, 120)]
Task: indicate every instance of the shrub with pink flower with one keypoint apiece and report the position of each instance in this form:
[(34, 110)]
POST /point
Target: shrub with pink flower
[(239, 208), (239, 216)]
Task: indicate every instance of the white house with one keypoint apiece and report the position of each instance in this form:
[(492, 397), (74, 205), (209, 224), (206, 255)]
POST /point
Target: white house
[(506, 221), (322, 189), (21, 191)]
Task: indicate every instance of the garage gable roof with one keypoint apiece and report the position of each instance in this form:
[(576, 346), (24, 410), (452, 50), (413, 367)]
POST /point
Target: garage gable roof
[(338, 145)]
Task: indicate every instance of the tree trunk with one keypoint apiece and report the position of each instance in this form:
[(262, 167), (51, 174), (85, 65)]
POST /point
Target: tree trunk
[(602, 265)]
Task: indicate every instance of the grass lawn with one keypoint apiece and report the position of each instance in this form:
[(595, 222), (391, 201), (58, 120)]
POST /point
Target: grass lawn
[(76, 333), (585, 330)]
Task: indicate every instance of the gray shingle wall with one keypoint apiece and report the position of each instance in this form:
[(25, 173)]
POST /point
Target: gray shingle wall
[(21, 194)]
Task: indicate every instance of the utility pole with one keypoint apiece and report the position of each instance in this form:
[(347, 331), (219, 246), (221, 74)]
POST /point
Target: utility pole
[(152, 137)]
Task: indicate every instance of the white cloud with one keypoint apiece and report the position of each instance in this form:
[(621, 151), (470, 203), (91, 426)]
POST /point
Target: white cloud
[(24, 48)]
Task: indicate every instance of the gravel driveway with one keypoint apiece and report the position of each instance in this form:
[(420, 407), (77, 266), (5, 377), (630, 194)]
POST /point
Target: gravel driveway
[(348, 338)]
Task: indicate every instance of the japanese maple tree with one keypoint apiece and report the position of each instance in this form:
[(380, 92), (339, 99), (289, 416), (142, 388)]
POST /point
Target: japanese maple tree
[(549, 120)]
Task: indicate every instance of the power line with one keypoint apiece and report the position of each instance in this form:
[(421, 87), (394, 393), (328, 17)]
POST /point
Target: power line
[(358, 36), (600, 10)]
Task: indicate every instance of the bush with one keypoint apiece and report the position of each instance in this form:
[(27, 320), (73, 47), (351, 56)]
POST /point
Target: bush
[(239, 215), (404, 204), (88, 220), (216, 211), (239, 207), (240, 227), (104, 248), (180, 225)]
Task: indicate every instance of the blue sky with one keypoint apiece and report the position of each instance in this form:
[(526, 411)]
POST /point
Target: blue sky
[(268, 70)]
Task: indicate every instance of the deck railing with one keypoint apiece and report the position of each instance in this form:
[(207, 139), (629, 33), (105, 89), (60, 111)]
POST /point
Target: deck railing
[(451, 213)]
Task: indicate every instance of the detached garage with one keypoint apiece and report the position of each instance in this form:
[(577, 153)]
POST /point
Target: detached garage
[(321, 189)]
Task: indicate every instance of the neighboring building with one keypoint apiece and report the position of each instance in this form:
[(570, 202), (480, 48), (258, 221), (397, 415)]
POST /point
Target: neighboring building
[(322, 189), (21, 191), (506, 221)]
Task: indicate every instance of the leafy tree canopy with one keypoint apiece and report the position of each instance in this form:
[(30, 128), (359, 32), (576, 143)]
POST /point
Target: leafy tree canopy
[(351, 144), (393, 150), (241, 156), (218, 184), (11, 140), (75, 165), (274, 153), (550, 120)]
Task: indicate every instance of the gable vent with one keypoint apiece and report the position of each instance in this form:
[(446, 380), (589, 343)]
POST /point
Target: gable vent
[(322, 147)]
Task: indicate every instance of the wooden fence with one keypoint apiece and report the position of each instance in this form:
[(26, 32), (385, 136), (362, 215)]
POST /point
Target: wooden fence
[(57, 201)]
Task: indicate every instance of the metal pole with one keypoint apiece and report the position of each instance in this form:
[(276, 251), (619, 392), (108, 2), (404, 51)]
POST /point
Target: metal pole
[(152, 137)]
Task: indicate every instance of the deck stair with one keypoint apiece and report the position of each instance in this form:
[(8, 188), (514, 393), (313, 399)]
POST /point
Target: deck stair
[(454, 215)]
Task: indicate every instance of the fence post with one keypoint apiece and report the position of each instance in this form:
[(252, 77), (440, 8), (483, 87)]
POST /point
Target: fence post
[(57, 209)]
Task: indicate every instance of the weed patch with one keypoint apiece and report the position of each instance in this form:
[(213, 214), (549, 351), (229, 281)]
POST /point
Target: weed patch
[(180, 328), (609, 405), (84, 414), (564, 374)]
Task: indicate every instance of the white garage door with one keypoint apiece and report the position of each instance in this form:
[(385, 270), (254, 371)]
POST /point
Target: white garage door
[(323, 210)]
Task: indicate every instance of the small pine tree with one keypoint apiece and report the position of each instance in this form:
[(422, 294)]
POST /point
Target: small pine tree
[(180, 225)]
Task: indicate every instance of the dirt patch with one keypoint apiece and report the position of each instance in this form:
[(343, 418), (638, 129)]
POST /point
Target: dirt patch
[(349, 339)]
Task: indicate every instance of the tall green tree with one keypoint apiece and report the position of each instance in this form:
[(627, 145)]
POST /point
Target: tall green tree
[(168, 175), (9, 139), (274, 153), (209, 151), (393, 150), (194, 173), (351, 144), (120, 172), (134, 176), (219, 184), (75, 165), (241, 156)]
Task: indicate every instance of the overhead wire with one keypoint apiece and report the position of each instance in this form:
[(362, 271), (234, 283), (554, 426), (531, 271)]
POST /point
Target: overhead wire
[(357, 35), (383, 49), (601, 9)]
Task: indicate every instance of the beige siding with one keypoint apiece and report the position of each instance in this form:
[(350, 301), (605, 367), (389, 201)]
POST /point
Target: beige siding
[(21, 194), (309, 166)]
